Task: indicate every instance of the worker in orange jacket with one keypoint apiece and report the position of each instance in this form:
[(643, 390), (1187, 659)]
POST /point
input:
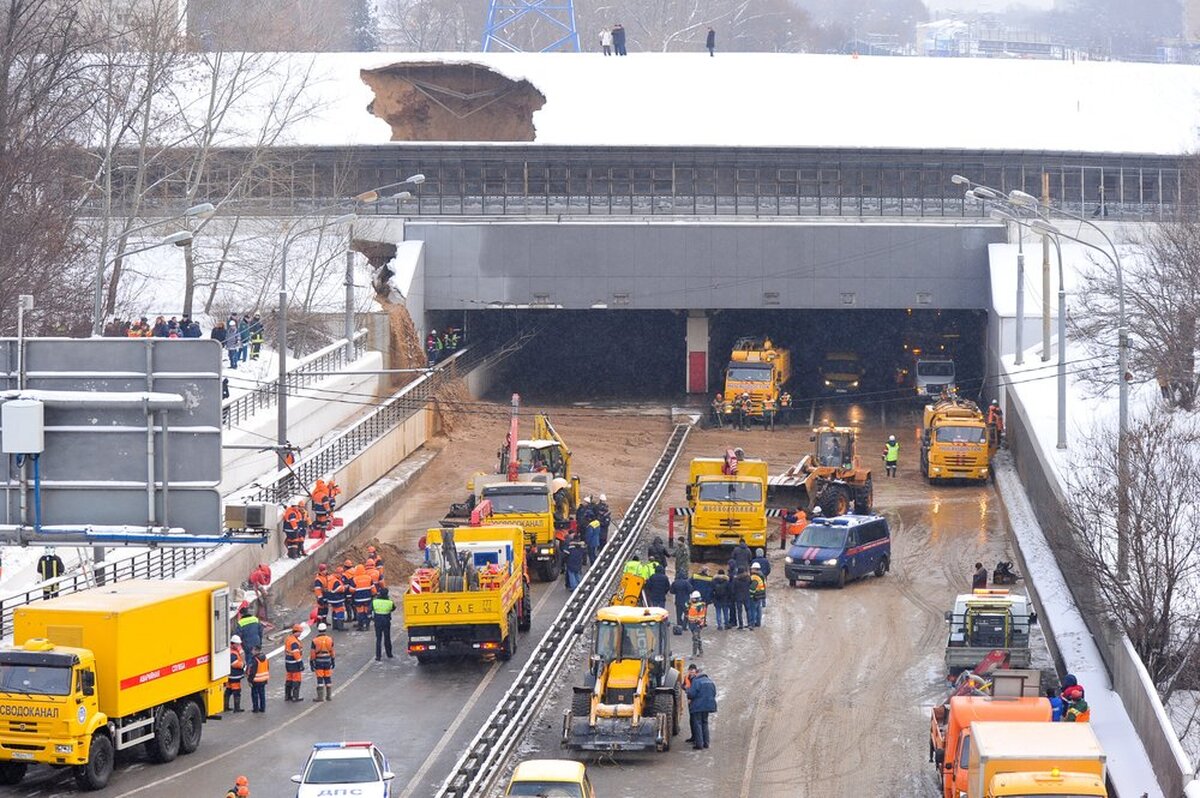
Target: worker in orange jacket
[(320, 507), (336, 596), (295, 529), (322, 662), (364, 591), (321, 591), (237, 672), (293, 664)]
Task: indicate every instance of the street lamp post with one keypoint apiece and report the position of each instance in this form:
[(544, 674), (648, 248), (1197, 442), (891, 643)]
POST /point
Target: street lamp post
[(203, 210), (281, 332), (1028, 200)]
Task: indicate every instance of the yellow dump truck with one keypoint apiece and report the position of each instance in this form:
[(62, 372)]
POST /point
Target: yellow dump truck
[(957, 442), (759, 368), (104, 670), (727, 502), (1031, 760), (536, 504), (472, 595)]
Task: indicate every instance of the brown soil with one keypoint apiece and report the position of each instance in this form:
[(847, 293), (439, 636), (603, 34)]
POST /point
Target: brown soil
[(406, 352), (452, 102), (451, 404)]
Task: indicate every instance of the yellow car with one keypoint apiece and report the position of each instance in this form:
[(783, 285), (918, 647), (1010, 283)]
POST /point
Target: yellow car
[(551, 778)]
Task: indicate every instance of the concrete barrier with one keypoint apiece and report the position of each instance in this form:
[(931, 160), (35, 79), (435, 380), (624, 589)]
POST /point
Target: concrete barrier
[(1130, 681)]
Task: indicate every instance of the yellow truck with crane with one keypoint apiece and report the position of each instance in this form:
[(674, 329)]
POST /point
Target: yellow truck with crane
[(1032, 760), (534, 487), (140, 663), (956, 441), (471, 597), (727, 502), (759, 368), (632, 697)]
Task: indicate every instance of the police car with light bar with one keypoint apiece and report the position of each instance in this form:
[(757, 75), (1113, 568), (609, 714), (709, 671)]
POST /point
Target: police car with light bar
[(350, 770)]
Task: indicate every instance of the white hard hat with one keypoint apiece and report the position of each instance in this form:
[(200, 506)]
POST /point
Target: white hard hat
[(695, 594), (587, 499), (891, 438), (603, 498), (235, 639), (755, 567), (817, 510), (321, 627), (433, 331)]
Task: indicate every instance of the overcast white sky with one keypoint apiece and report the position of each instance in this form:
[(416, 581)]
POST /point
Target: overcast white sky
[(985, 5)]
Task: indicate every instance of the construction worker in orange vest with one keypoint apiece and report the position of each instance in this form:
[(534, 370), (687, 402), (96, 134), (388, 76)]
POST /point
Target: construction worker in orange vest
[(336, 598), (240, 788), (320, 507), (259, 673), (237, 672), (321, 661), (380, 579), (295, 528), (321, 591), (364, 591), (795, 522), (293, 664)]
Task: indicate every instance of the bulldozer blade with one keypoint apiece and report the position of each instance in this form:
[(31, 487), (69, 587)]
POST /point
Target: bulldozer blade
[(612, 735), (787, 496)]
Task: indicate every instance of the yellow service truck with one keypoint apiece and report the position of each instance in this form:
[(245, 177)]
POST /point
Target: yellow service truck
[(104, 670), (535, 504), (759, 368), (727, 502), (957, 442), (472, 595), (1031, 760)]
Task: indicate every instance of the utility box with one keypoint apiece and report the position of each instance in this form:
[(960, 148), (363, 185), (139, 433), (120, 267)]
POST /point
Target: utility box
[(251, 516), (22, 427)]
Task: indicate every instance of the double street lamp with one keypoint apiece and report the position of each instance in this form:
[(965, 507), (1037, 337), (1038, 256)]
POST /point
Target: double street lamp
[(1015, 201), (183, 238)]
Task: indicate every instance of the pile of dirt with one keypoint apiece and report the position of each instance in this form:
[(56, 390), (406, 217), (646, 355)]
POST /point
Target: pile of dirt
[(406, 350), (451, 404)]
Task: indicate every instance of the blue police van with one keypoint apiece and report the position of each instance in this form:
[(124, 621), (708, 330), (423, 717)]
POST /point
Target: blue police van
[(838, 550)]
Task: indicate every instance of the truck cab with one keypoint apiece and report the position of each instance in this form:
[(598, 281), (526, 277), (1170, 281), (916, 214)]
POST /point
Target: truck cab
[(727, 507), (950, 732), (988, 620), (957, 442), (759, 368), (933, 376), (530, 504)]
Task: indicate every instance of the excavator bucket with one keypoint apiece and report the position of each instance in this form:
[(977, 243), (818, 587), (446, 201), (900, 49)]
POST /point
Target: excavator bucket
[(617, 734)]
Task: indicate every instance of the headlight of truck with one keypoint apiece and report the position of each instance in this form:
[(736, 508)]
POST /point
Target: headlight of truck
[(828, 383), (831, 562), (545, 551), (854, 384), (788, 559), (63, 748)]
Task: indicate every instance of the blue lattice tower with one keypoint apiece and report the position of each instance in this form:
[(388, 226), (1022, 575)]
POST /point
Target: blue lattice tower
[(508, 19)]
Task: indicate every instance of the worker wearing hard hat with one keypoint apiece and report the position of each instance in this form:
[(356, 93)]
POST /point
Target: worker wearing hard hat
[(891, 455), (237, 672), (697, 618), (240, 788)]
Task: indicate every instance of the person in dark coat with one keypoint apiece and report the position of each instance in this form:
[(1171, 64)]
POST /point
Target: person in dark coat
[(710, 41), (618, 37), (702, 701), (741, 599), (576, 556), (760, 559), (657, 587), (604, 516), (979, 578), (681, 589), (218, 333), (703, 582), (50, 566), (742, 556), (657, 551), (250, 629), (722, 596)]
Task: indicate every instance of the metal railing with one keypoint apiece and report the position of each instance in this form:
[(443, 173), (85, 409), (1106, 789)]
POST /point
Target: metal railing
[(485, 757), (312, 369), (160, 563)]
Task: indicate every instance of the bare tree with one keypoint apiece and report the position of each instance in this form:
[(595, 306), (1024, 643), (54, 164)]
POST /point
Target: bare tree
[(1162, 291), (670, 25), (1156, 604), (43, 95), (426, 26)]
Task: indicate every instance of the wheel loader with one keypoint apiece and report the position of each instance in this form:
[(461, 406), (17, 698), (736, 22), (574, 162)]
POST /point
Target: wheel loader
[(830, 476), (632, 697)]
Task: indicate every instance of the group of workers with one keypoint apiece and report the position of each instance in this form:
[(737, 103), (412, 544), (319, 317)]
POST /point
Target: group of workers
[(582, 544), (255, 668), (359, 588), (299, 523), (1068, 702), (440, 346), (740, 408)]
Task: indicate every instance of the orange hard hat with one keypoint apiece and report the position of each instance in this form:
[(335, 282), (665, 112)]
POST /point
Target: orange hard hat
[(297, 628), (349, 563), (370, 562), (243, 791), (322, 567), (241, 781), (370, 549)]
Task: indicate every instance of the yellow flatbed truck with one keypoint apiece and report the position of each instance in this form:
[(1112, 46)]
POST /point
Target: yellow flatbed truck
[(1031, 760), (471, 597), (134, 663), (727, 502)]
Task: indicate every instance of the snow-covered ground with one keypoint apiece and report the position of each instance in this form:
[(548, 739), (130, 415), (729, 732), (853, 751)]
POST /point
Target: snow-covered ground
[(798, 100)]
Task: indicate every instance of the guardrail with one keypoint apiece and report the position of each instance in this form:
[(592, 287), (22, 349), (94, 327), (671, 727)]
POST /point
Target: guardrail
[(483, 762), (312, 369), (161, 563)]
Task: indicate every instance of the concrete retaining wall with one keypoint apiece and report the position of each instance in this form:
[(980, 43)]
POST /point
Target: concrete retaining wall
[(1130, 680)]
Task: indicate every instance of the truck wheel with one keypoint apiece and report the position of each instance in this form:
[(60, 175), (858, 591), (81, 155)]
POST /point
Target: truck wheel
[(191, 726), (11, 773), (509, 648), (834, 501), (165, 745), (525, 619), (581, 704), (665, 705), (95, 774), (841, 582), (791, 583), (881, 567), (549, 571), (864, 497)]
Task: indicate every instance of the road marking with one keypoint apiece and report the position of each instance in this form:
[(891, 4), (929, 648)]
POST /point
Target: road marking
[(257, 739), (752, 749), (415, 782)]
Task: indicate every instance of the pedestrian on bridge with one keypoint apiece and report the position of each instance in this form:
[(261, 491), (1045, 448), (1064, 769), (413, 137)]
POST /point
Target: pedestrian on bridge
[(382, 608), (702, 701), (710, 42), (606, 41)]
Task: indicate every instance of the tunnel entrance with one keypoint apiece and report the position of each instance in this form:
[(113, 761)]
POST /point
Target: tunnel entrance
[(619, 355)]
